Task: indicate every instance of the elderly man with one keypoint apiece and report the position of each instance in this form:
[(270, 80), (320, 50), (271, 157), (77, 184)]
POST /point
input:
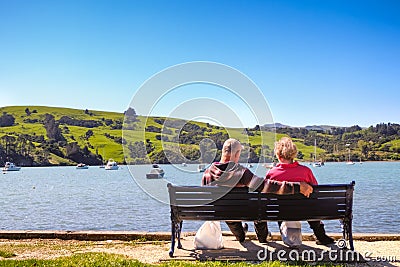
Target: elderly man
[(228, 172)]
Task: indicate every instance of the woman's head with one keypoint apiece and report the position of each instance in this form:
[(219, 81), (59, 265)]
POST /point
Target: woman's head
[(285, 149)]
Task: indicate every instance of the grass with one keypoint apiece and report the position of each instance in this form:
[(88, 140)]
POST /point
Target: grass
[(107, 259), (6, 254), (106, 147), (78, 253)]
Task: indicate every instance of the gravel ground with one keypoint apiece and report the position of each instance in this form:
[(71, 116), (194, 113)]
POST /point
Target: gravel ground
[(379, 253), (373, 250)]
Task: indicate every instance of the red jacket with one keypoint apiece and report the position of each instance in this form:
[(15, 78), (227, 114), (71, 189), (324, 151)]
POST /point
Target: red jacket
[(293, 172)]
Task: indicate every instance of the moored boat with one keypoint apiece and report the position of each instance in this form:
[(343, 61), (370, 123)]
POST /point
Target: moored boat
[(317, 164), (269, 165), (10, 166), (155, 173), (111, 165), (201, 167), (82, 166)]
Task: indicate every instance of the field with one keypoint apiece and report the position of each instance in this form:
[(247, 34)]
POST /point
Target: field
[(106, 138)]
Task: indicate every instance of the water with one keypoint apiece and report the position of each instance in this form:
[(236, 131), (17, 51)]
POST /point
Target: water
[(63, 198)]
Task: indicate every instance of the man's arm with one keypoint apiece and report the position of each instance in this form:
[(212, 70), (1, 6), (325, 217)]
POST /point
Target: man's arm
[(275, 187), (286, 188)]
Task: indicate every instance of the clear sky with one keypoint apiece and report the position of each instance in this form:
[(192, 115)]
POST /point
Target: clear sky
[(316, 62)]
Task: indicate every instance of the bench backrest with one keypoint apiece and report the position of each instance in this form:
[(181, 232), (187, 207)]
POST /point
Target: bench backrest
[(198, 203)]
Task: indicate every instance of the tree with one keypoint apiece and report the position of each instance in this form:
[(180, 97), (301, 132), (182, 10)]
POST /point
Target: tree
[(88, 134), (6, 120), (28, 112), (130, 115), (52, 128)]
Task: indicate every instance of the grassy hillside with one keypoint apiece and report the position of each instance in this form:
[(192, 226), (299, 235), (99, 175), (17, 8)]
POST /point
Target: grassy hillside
[(98, 134)]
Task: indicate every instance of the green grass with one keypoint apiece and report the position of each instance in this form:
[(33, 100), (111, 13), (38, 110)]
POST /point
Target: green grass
[(6, 254), (106, 259), (108, 148)]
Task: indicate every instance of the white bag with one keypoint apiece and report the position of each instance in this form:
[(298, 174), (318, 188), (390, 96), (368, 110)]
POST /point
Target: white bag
[(209, 236), (291, 233)]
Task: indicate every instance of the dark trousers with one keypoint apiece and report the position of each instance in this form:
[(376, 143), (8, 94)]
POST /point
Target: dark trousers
[(260, 227)]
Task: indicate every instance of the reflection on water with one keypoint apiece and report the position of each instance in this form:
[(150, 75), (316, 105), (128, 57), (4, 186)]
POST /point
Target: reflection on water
[(64, 198)]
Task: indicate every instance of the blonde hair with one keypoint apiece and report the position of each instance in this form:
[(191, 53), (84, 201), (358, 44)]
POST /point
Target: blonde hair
[(285, 149)]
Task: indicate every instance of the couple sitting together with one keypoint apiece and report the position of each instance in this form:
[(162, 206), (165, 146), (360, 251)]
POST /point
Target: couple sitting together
[(287, 177)]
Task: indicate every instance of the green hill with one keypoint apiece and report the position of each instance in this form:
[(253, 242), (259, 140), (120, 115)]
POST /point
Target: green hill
[(40, 135)]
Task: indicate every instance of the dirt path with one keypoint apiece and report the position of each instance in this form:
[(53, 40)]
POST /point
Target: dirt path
[(157, 251)]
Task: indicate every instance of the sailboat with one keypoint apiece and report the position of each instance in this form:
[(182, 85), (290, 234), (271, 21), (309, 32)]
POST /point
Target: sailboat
[(316, 163), (349, 161)]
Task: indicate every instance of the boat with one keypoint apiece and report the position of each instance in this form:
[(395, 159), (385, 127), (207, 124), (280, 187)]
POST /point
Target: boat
[(82, 166), (9, 166), (269, 165), (316, 163), (155, 173), (201, 167), (184, 164), (349, 161), (249, 165), (111, 165)]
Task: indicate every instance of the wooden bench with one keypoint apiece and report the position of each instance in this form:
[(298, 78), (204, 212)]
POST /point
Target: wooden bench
[(212, 203)]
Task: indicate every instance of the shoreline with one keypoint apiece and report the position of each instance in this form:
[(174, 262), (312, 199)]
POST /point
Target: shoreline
[(159, 236), (306, 162)]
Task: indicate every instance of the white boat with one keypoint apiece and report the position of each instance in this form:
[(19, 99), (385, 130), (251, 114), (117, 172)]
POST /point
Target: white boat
[(201, 167), (316, 163), (184, 164), (111, 165), (269, 165), (155, 173), (82, 166), (249, 165), (9, 166), (349, 161)]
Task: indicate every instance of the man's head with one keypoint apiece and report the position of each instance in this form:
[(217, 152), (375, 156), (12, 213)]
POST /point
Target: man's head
[(231, 150), (285, 149)]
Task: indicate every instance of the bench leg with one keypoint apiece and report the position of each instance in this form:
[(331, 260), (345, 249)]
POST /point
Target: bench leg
[(178, 236), (347, 231), (343, 226), (173, 234), (350, 233)]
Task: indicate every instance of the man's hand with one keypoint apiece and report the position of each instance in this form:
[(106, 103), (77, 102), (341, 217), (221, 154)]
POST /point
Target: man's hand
[(305, 189)]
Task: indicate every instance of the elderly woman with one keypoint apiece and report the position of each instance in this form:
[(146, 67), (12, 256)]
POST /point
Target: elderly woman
[(290, 170)]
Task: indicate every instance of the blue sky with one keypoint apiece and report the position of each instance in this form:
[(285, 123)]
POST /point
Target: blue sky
[(316, 62)]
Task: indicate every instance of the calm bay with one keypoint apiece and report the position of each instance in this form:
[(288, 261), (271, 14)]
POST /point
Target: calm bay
[(64, 198)]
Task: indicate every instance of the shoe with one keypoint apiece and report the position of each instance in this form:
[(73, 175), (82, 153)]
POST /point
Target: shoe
[(264, 239), (324, 240), (320, 235)]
